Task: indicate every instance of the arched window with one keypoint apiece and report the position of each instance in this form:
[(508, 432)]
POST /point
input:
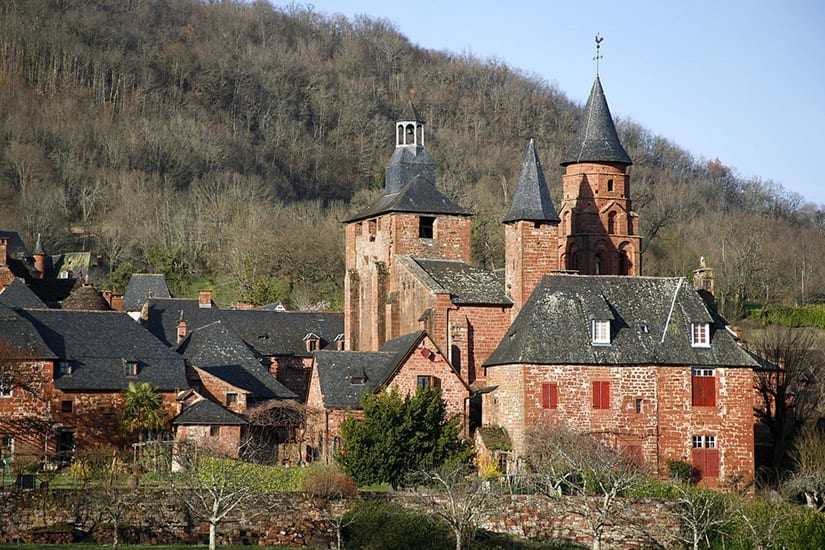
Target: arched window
[(611, 223), (409, 139), (610, 185), (597, 264)]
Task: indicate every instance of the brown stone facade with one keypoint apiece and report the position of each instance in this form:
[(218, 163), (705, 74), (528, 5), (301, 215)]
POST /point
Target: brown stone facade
[(293, 372), (225, 440), (219, 391), (648, 412), (600, 232), (371, 283)]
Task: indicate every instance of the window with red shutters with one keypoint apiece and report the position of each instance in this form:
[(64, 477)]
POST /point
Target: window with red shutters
[(704, 388), (705, 455), (601, 395), (549, 396)]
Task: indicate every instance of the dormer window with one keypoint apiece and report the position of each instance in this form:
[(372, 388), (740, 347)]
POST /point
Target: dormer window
[(64, 366), (358, 380), (339, 342), (700, 335), (313, 342), (130, 368), (601, 333), (426, 225)]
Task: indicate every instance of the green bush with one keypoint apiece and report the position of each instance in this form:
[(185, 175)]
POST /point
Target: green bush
[(812, 315), (378, 525)]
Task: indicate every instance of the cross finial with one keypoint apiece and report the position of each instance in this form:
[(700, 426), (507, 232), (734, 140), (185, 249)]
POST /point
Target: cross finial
[(598, 55)]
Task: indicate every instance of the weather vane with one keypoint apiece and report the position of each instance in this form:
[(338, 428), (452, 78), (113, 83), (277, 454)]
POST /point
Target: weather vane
[(598, 56)]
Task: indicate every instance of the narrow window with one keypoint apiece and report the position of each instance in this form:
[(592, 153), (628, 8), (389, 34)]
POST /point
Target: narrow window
[(601, 332), (66, 406), (8, 445), (601, 395), (549, 396), (638, 406), (231, 399), (6, 384), (214, 431), (610, 185), (426, 225), (700, 335), (703, 385), (611, 223), (373, 229)]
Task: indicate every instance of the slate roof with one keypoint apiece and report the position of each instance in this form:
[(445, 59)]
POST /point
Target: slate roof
[(17, 295), (98, 343), (495, 438), (216, 349), (419, 196), (84, 297), (271, 332), (206, 412), (15, 249), (164, 314), (19, 332), (466, 284), (596, 140), (650, 320), (345, 376), (531, 200), (143, 286)]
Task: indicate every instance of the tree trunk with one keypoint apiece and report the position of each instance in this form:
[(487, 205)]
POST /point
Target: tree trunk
[(458, 539), (213, 535)]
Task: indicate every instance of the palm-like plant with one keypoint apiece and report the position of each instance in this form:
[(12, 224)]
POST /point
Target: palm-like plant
[(143, 411)]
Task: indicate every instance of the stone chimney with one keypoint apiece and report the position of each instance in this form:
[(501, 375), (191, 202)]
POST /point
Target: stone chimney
[(4, 248), (205, 298), (182, 330), (703, 278)]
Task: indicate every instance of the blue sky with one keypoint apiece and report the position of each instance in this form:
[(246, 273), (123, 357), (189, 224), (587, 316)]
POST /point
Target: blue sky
[(737, 80)]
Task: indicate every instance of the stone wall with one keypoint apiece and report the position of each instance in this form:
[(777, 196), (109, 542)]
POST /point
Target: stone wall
[(296, 519)]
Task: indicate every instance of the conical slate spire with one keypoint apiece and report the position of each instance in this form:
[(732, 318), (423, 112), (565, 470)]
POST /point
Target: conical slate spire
[(597, 140), (38, 247), (409, 159), (532, 200)]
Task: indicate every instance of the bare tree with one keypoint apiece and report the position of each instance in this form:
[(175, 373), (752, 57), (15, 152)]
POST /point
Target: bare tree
[(578, 464), (808, 482), (461, 498), (789, 387), (703, 514), (211, 485)]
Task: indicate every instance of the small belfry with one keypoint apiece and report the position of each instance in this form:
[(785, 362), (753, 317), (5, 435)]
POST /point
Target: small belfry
[(600, 231)]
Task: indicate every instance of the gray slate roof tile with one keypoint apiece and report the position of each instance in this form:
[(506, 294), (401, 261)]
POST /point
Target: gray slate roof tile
[(596, 140), (419, 196), (467, 285), (205, 412), (143, 286), (650, 324), (531, 201), (98, 343), (17, 295)]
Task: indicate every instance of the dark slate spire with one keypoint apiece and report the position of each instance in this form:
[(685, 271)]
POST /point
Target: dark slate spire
[(597, 140), (38, 247), (532, 200), (409, 159)]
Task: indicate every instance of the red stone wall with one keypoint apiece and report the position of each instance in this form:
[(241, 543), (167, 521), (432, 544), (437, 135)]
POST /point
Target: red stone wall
[(662, 429), (226, 442), (588, 204), (216, 389), (26, 415), (530, 251), (293, 372)]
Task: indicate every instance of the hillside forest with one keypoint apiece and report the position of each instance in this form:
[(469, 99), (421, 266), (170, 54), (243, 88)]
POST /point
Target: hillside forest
[(224, 141)]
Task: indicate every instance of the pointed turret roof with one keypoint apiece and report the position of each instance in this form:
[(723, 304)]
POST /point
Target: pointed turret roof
[(596, 140), (411, 113), (532, 200), (38, 247)]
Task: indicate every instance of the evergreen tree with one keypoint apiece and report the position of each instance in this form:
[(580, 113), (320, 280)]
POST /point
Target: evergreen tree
[(400, 435)]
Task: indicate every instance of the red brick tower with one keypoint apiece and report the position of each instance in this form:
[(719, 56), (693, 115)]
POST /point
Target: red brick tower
[(413, 218), (531, 239), (600, 232)]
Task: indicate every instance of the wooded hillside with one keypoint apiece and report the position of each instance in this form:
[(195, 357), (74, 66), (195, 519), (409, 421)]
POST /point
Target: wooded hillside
[(227, 140)]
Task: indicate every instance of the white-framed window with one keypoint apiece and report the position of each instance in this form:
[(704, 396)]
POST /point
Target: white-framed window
[(700, 335), (6, 384), (704, 441), (601, 332), (7, 445)]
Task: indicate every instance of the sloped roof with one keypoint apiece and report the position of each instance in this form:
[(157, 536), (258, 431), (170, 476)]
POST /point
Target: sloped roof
[(164, 314), (650, 320), (15, 249), (206, 412), (143, 286), (98, 343), (271, 332), (345, 376), (466, 284), (531, 200), (84, 297), (21, 335), (495, 438), (596, 140), (216, 349), (17, 295), (419, 196)]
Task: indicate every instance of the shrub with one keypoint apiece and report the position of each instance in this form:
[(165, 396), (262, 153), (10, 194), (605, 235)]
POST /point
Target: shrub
[(389, 526), (328, 481)]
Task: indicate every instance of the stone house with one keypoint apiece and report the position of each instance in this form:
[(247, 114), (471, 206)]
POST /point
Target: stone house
[(340, 380), (79, 363)]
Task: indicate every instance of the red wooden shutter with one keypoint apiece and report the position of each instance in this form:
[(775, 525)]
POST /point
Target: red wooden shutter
[(706, 461), (601, 395), (549, 396), (704, 391)]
